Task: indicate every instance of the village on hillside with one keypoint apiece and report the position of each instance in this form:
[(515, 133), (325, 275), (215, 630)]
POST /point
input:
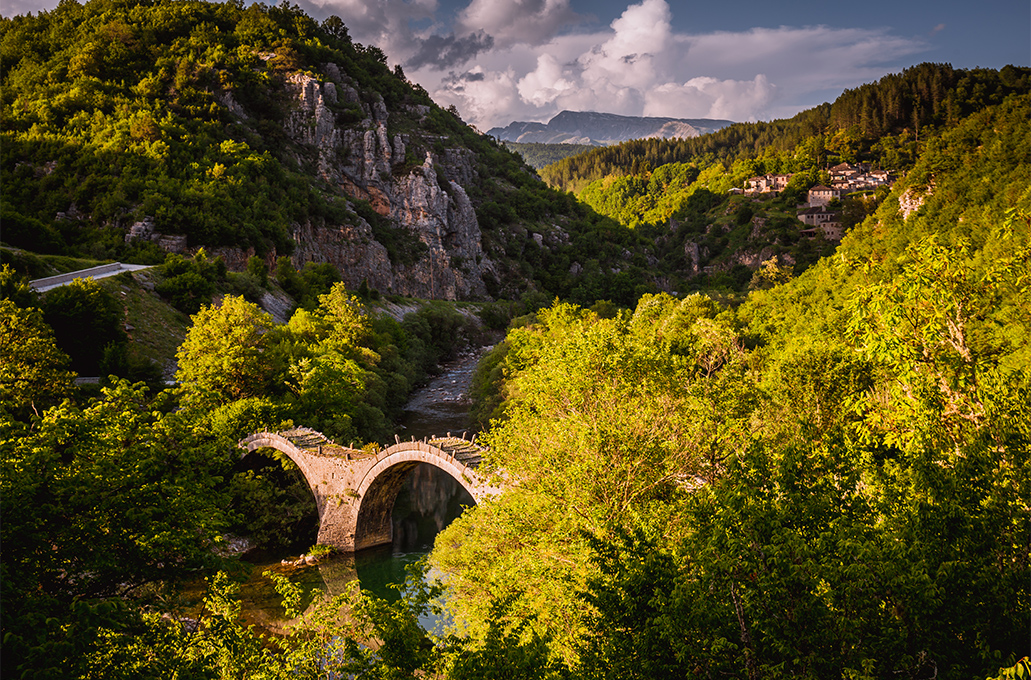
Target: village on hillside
[(818, 213)]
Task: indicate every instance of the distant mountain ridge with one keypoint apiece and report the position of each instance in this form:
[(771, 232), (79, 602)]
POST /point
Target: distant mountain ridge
[(604, 129)]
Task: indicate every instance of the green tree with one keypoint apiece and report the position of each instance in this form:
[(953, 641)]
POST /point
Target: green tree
[(33, 371), (949, 329), (770, 274), (105, 509), (345, 318), (86, 320), (227, 355), (258, 268), (16, 288), (603, 428)]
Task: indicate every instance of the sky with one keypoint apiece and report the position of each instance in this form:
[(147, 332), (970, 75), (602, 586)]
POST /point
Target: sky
[(500, 61)]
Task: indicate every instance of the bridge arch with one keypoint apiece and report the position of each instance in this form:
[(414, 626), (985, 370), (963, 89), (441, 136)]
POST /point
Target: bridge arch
[(355, 490), (378, 490), (275, 440)]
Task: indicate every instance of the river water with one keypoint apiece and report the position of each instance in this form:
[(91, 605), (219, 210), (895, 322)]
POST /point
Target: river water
[(428, 502)]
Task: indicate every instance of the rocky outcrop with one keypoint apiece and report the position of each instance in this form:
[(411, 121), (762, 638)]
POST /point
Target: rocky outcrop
[(694, 257), (367, 163), (910, 201), (278, 304), (143, 230), (350, 248), (753, 259)]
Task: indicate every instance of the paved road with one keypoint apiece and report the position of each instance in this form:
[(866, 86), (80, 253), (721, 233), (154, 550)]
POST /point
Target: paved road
[(104, 270)]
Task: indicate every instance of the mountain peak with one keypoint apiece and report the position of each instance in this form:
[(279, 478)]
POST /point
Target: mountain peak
[(604, 129)]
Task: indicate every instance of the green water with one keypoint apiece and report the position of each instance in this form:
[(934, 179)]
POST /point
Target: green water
[(429, 502)]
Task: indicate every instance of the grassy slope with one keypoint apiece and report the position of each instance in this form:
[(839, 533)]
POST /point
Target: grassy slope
[(155, 328)]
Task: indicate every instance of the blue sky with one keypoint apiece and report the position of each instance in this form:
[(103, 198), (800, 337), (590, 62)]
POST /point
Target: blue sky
[(505, 60)]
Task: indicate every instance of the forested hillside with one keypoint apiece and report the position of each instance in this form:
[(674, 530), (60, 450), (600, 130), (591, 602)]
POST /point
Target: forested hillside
[(131, 130), (920, 100), (692, 198), (539, 155)]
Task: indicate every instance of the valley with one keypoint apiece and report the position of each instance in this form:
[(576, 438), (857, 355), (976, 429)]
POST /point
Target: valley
[(756, 395)]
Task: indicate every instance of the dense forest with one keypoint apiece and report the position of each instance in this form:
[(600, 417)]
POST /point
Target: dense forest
[(811, 470), (775, 488), (539, 155)]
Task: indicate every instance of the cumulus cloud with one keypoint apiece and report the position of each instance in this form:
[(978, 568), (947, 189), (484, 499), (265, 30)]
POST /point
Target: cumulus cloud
[(547, 82), (480, 95), (705, 97), (634, 51), (517, 21), (505, 60)]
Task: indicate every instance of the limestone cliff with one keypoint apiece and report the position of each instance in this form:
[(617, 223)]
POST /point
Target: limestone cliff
[(425, 199)]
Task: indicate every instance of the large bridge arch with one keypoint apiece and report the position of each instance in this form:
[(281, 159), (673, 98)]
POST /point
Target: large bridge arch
[(355, 490), (378, 490)]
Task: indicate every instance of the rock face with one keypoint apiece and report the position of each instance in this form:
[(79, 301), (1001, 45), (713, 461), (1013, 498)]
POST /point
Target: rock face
[(910, 201), (416, 197)]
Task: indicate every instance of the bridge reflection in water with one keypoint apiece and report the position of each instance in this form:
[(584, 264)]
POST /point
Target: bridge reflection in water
[(427, 503)]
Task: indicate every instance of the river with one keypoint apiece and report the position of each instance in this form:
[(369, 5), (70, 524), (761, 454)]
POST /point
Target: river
[(428, 502)]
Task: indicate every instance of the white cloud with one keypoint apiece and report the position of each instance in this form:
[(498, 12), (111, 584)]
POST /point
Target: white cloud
[(640, 66), (480, 95), (632, 55), (703, 97), (517, 21), (546, 83)]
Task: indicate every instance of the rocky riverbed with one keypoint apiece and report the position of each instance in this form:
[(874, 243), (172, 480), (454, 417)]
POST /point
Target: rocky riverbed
[(442, 405)]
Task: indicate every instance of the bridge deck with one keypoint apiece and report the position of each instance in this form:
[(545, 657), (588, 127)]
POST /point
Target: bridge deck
[(313, 442), (462, 450)]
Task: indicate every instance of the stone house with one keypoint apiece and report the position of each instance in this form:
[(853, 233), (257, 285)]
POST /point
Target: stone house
[(817, 215), (822, 195), (764, 184), (823, 220)]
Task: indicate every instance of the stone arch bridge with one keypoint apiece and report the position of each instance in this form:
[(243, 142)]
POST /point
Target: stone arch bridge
[(355, 489)]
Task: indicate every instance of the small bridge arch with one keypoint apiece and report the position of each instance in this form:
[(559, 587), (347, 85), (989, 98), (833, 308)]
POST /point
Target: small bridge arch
[(355, 489)]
